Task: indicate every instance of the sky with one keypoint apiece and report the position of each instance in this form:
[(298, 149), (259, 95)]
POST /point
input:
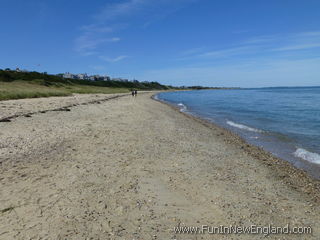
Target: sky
[(224, 43)]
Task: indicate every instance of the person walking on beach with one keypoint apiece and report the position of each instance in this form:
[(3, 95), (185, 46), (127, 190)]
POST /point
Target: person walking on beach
[(135, 92), (132, 93)]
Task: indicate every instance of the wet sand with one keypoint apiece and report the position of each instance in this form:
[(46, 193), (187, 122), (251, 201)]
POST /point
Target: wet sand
[(135, 168)]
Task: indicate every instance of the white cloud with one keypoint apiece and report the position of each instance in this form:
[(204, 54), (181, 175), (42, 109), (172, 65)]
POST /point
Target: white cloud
[(257, 62), (301, 41), (260, 45), (116, 59), (298, 47), (230, 52), (114, 17), (114, 39), (96, 34), (116, 10), (261, 39), (87, 43), (148, 9), (259, 73), (309, 34), (96, 28)]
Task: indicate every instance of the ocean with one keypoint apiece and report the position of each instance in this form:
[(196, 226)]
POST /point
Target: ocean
[(284, 120)]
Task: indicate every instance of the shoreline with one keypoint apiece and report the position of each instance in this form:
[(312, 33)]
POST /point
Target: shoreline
[(288, 135), (285, 171), (133, 167)]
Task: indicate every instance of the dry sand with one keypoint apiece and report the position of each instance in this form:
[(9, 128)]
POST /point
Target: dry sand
[(134, 168)]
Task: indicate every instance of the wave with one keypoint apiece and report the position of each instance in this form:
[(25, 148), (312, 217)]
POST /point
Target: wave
[(308, 156), (244, 127), (183, 107)]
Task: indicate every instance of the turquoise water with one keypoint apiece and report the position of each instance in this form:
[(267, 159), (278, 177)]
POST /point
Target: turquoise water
[(283, 121)]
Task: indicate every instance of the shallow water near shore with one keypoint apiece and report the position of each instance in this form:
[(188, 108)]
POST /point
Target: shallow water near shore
[(284, 121)]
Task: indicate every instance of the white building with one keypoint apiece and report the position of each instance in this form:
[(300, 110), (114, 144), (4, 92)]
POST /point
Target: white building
[(68, 75)]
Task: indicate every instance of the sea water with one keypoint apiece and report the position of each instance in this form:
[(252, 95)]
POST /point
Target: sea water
[(284, 121)]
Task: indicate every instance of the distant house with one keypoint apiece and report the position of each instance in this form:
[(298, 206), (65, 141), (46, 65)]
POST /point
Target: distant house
[(98, 78), (21, 70), (106, 78), (82, 76), (68, 75)]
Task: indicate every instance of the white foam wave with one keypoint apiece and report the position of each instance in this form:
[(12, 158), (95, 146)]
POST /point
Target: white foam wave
[(183, 107), (308, 156), (156, 97), (244, 127)]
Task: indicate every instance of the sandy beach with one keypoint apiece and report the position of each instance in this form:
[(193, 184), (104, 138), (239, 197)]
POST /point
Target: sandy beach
[(118, 167)]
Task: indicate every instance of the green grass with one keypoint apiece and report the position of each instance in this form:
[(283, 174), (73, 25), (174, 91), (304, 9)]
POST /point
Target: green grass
[(41, 88)]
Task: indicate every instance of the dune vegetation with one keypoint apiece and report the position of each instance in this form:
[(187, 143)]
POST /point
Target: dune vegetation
[(16, 85)]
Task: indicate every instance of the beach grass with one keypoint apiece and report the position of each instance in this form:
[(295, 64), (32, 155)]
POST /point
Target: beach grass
[(41, 88)]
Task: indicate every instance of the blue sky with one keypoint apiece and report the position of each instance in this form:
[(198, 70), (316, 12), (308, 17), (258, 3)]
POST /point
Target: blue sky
[(245, 43)]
